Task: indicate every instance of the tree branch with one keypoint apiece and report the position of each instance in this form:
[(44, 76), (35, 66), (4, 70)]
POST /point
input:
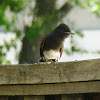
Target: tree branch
[(65, 9)]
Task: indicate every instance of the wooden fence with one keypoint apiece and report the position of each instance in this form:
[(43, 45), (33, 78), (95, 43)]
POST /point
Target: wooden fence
[(77, 80)]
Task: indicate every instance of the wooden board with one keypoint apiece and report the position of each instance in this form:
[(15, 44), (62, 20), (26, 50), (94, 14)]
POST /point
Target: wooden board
[(34, 98), (72, 97), (50, 73), (51, 89), (97, 97), (3, 98)]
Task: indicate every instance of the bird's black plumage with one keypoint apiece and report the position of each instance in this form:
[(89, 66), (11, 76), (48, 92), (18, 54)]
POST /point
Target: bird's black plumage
[(54, 41)]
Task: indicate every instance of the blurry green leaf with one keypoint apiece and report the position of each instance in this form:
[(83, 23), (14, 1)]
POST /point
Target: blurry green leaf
[(14, 18), (79, 33), (4, 49), (3, 5), (40, 26), (6, 45), (76, 1), (93, 4), (80, 3), (7, 62), (4, 20), (18, 32), (96, 8), (16, 5), (97, 51), (74, 49), (32, 32), (68, 51), (1, 60), (90, 2)]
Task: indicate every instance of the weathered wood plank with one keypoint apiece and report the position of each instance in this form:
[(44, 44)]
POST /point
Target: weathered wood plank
[(15, 97), (50, 73), (3, 98), (52, 97), (72, 97), (51, 89), (88, 96), (34, 98), (96, 97)]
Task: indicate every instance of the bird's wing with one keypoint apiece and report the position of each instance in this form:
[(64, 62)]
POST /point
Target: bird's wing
[(41, 46), (61, 50)]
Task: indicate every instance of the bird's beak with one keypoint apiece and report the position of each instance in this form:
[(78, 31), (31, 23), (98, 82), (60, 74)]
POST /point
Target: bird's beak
[(70, 33)]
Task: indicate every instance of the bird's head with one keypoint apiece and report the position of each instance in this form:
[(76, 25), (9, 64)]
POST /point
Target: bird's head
[(64, 30)]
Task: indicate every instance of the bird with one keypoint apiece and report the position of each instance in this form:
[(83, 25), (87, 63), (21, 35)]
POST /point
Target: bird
[(52, 45)]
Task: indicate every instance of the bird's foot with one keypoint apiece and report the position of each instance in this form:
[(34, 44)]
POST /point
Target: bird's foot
[(54, 61), (41, 61)]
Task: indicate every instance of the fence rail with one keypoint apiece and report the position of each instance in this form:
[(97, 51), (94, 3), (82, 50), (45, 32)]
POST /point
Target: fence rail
[(64, 78)]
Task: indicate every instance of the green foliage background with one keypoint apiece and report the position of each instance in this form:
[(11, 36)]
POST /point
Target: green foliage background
[(38, 26)]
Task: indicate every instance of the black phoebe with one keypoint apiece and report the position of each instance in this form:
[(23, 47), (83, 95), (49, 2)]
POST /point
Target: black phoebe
[(52, 45)]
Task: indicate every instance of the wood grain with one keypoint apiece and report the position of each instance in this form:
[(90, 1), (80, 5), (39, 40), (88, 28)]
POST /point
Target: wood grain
[(86, 70), (51, 89)]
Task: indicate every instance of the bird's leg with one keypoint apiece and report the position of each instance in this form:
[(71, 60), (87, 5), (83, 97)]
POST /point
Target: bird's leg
[(54, 61), (47, 62)]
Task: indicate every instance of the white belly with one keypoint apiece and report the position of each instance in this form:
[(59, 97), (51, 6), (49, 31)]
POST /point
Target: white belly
[(51, 54)]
